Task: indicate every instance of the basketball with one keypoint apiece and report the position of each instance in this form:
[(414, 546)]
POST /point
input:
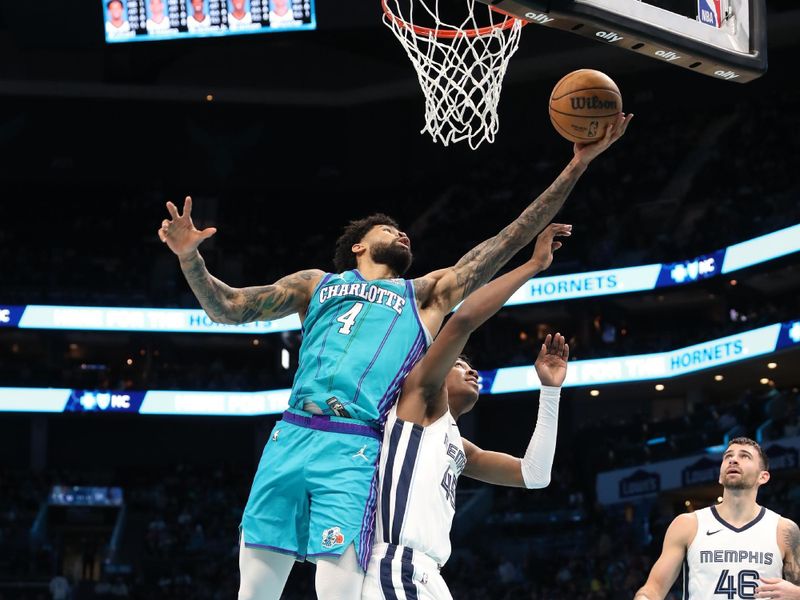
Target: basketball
[(582, 103)]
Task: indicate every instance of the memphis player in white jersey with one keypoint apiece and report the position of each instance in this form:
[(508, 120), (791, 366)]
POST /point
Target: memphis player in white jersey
[(736, 549), (423, 452)]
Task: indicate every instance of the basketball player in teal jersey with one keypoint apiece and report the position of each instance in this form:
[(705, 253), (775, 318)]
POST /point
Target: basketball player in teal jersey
[(364, 328)]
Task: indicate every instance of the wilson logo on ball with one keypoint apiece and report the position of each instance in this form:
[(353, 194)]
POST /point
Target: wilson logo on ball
[(592, 103)]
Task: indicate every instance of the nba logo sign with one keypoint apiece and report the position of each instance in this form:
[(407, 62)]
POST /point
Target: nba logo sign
[(710, 12)]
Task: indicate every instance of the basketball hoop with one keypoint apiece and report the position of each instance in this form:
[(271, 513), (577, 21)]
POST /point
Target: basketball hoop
[(460, 67)]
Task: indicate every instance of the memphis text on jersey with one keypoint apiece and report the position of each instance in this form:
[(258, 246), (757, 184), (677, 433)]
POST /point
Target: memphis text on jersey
[(736, 556), (366, 291), (457, 464)]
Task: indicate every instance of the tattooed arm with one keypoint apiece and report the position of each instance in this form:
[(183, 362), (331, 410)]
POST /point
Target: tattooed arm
[(223, 303), (791, 550), (226, 304), (787, 588), (441, 290)]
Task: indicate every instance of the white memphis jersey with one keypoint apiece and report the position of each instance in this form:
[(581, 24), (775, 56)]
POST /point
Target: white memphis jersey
[(725, 562), (419, 469)]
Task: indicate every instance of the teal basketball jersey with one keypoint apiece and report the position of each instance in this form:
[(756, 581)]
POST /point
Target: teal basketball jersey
[(360, 339)]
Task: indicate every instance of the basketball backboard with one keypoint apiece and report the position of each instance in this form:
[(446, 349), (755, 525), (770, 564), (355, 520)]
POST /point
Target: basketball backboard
[(725, 39)]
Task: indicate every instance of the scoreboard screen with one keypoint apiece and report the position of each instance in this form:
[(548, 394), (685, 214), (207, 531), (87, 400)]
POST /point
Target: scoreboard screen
[(152, 20)]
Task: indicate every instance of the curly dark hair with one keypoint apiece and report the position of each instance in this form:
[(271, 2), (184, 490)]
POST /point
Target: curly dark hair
[(465, 359), (343, 258)]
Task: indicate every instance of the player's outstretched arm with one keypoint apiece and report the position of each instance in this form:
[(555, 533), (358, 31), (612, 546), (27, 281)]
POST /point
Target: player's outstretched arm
[(679, 535), (441, 290), (422, 391), (532, 470), (223, 303), (787, 588)]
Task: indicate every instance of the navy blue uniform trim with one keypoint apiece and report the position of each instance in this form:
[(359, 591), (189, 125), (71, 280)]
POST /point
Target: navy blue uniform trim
[(387, 587), (386, 492), (407, 574), (404, 482), (743, 527)]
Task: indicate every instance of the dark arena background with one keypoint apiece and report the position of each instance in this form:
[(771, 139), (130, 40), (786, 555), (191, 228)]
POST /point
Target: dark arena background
[(283, 138)]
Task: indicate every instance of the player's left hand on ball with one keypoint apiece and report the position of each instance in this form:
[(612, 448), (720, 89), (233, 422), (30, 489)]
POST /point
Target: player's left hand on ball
[(771, 587), (551, 364)]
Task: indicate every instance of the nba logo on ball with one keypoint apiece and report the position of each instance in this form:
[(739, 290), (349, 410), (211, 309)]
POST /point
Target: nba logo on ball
[(710, 12), (332, 537)]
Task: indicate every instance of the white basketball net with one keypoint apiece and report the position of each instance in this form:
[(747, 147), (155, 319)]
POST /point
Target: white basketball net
[(460, 67)]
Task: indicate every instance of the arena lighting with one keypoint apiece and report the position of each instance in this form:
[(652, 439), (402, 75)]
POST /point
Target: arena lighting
[(51, 400), (285, 359), (718, 377), (659, 366), (541, 289), (659, 387), (772, 365), (594, 372), (719, 449)]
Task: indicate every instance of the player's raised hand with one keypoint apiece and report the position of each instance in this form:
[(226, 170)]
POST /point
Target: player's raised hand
[(179, 233), (586, 153), (551, 364), (546, 244), (771, 587)]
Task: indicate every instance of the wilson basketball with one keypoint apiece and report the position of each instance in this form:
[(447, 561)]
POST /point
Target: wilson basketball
[(583, 103)]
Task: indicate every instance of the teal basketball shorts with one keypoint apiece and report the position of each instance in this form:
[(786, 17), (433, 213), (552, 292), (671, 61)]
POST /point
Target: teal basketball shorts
[(315, 489)]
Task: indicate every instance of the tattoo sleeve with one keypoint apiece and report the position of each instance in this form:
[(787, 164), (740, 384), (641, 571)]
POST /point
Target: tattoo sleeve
[(422, 289), (791, 562), (481, 263), (225, 304), (214, 296)]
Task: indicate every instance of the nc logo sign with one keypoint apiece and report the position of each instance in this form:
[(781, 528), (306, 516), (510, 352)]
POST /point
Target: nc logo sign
[(5, 315), (609, 36), (102, 401)]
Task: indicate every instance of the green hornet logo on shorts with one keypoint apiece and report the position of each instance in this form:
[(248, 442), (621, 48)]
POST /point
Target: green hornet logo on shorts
[(332, 537)]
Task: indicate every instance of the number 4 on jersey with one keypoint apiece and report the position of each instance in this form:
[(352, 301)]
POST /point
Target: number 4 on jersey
[(349, 318)]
